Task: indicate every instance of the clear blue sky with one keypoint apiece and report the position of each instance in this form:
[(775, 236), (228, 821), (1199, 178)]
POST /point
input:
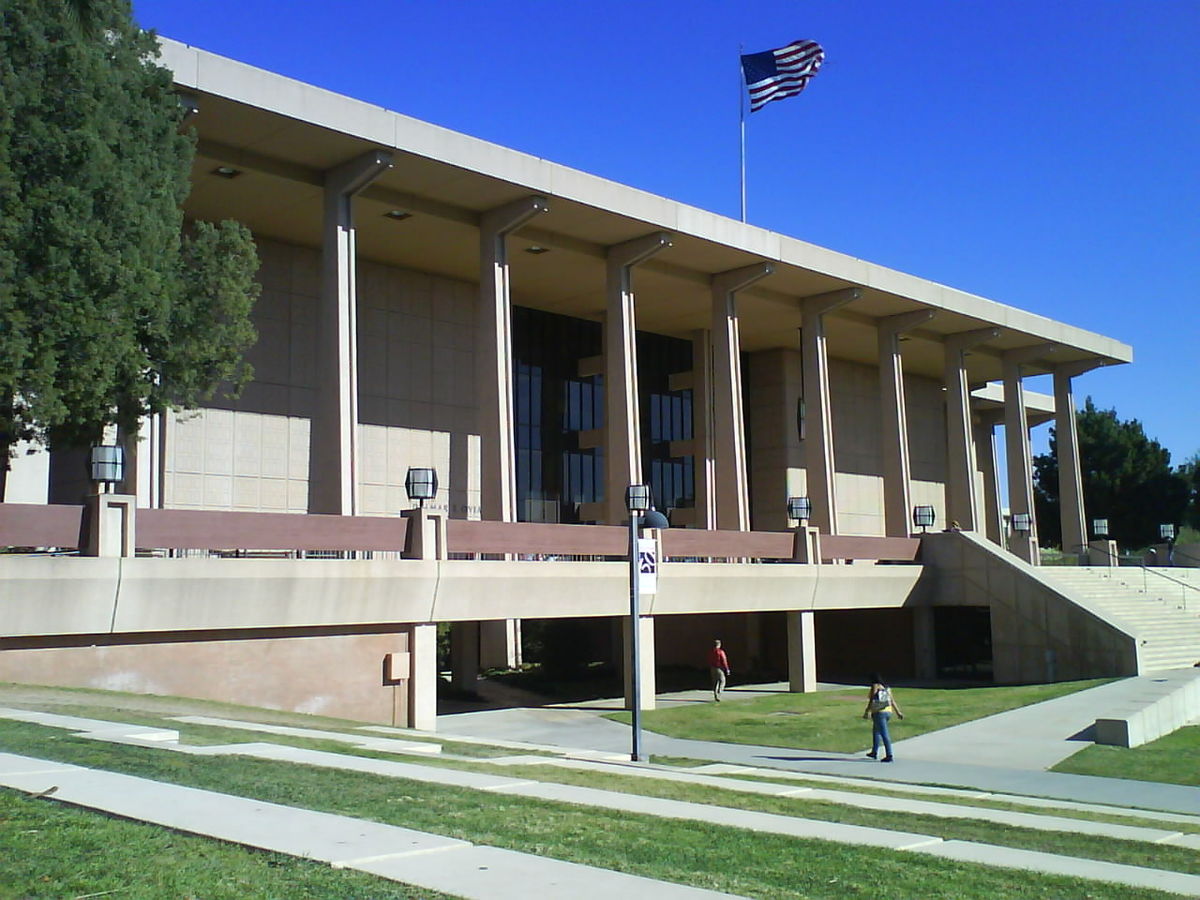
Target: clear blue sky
[(1042, 154)]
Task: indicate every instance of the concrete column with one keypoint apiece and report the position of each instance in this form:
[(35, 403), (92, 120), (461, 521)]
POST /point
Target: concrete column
[(962, 505), (729, 437), (333, 469), (924, 645), (422, 683), (622, 429), (1018, 452), (985, 451), (645, 663), (464, 656), (494, 369), (500, 643), (897, 477), (802, 651), (818, 443), (704, 428), (1070, 475), (775, 446)]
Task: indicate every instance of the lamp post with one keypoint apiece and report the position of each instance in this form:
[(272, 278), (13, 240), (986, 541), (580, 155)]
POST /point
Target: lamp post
[(1166, 531), (421, 484), (1021, 523), (923, 517), (1100, 528), (641, 514), (106, 465), (799, 509)]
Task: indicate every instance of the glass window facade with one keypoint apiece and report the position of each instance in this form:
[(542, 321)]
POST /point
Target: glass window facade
[(553, 403)]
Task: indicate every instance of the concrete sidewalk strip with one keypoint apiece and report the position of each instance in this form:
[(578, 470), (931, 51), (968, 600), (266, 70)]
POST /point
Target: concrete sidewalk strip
[(90, 727), (386, 745), (1093, 869), (961, 793), (430, 861), (479, 781), (1037, 821), (767, 823), (496, 874)]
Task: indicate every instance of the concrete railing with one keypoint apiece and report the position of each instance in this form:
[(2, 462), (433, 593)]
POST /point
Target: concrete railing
[(61, 526)]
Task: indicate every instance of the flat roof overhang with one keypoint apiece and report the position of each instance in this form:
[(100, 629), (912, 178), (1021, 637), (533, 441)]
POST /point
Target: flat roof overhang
[(282, 135)]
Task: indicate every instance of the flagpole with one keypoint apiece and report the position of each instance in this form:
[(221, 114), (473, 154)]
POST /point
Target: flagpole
[(742, 122)]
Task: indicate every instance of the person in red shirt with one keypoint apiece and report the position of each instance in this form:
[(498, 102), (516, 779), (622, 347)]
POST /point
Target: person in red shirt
[(718, 664)]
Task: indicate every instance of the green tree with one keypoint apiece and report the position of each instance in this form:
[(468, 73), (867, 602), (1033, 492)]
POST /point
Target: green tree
[(110, 308), (1190, 470), (1127, 478)]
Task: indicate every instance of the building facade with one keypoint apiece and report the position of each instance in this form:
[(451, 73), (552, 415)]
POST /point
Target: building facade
[(544, 338)]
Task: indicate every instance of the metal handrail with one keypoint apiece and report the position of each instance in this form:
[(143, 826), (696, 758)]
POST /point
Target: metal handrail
[(1136, 562)]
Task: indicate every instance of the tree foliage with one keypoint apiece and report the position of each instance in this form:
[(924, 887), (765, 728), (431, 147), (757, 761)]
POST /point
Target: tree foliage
[(108, 309), (1127, 479)]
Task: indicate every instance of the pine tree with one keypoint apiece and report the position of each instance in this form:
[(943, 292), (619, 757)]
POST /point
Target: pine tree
[(110, 308), (1127, 479)]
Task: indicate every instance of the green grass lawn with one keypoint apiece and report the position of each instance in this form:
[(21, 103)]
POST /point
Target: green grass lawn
[(703, 854), (832, 720), (55, 851), (1174, 759)]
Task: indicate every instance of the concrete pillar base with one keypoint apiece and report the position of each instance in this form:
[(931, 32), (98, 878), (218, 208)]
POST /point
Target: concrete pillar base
[(924, 647), (464, 656), (422, 682), (647, 686), (110, 524), (802, 652), (807, 546), (1102, 553), (500, 644)]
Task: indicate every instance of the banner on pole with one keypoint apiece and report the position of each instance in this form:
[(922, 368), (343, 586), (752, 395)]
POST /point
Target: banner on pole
[(647, 566)]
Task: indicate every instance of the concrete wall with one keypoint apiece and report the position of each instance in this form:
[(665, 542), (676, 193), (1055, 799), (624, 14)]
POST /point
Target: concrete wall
[(773, 390), (335, 675), (416, 396), (1039, 633)]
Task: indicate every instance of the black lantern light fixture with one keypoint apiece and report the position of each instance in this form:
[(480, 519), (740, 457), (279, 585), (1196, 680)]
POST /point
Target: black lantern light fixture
[(1166, 531), (421, 484), (1100, 528), (799, 509), (923, 517), (106, 464), (1022, 523)]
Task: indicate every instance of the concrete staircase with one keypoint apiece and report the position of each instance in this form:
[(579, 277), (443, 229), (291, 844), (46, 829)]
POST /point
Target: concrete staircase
[(1163, 614)]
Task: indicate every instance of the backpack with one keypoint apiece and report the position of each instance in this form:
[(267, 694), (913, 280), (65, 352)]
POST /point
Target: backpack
[(882, 699)]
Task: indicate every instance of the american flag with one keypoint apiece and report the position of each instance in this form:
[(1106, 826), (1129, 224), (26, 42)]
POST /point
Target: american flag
[(775, 74)]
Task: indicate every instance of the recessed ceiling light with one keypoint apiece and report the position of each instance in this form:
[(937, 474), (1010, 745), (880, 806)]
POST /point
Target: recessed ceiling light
[(537, 250), (398, 214), (227, 171)]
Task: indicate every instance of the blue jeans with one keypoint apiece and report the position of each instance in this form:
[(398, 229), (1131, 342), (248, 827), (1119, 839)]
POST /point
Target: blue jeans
[(879, 732)]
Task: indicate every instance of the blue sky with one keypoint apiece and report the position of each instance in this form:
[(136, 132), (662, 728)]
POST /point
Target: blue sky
[(1042, 154)]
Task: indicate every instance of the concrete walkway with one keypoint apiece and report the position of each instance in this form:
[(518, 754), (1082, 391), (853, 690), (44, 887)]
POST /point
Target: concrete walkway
[(1005, 753), (399, 854), (405, 855)]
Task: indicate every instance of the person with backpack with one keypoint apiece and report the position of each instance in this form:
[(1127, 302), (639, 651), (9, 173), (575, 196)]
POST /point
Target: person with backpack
[(881, 703)]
